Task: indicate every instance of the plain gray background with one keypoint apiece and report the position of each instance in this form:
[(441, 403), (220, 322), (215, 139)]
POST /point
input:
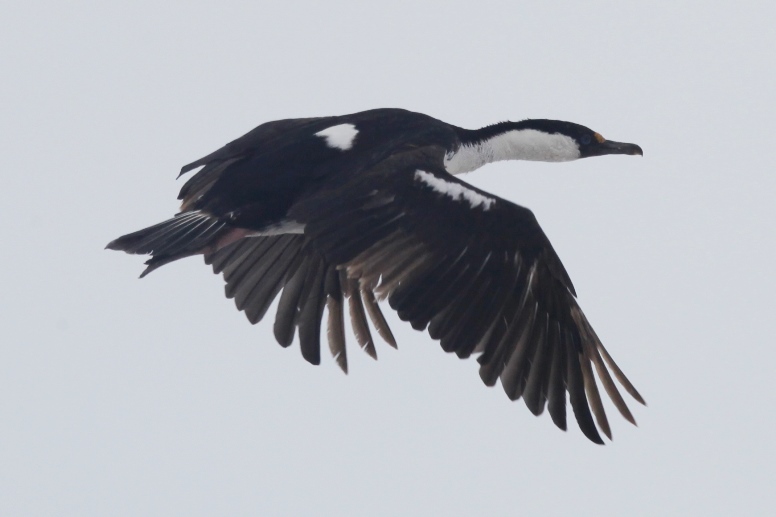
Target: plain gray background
[(156, 397)]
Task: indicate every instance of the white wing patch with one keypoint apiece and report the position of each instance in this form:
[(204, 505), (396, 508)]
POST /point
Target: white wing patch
[(284, 227), (340, 136), (454, 190)]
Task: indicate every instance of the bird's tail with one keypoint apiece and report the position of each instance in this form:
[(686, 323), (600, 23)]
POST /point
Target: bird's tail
[(186, 234)]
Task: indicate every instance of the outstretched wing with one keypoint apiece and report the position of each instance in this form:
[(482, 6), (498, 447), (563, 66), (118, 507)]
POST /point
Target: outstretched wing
[(477, 271)]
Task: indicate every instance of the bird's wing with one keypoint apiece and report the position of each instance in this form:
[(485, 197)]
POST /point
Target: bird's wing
[(256, 269), (474, 269)]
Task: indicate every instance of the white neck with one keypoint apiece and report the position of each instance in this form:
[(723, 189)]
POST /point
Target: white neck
[(518, 144)]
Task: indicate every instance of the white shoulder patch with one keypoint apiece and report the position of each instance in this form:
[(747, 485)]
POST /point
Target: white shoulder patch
[(340, 136), (454, 190)]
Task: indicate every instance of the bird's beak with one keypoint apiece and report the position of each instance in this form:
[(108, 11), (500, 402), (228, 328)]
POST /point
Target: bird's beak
[(611, 147)]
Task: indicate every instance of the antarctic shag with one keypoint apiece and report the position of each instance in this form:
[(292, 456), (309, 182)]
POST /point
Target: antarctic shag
[(367, 207)]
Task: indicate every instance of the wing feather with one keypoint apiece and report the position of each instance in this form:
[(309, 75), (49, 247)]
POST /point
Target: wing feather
[(336, 322), (377, 317), (287, 314), (310, 314), (358, 319), (556, 392)]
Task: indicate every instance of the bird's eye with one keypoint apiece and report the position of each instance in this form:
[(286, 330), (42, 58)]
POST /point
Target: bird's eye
[(585, 140)]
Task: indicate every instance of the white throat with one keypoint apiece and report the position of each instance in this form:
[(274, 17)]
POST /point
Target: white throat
[(518, 144)]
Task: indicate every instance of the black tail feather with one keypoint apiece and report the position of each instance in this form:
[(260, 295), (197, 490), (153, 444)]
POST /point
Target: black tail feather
[(186, 234)]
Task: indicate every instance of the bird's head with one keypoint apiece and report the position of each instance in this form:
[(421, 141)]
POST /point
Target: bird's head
[(573, 141)]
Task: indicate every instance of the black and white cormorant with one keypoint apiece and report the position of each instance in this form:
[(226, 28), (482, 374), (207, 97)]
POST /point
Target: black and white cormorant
[(368, 206)]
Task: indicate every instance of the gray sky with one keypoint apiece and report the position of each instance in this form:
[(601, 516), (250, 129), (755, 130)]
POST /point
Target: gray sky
[(156, 397)]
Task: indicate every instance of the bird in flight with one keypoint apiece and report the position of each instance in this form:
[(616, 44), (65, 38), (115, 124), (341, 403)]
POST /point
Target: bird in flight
[(368, 207)]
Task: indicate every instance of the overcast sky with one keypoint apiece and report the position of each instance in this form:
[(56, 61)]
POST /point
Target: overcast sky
[(156, 397)]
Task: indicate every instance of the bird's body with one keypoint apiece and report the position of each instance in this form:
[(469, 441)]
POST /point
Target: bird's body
[(366, 206)]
